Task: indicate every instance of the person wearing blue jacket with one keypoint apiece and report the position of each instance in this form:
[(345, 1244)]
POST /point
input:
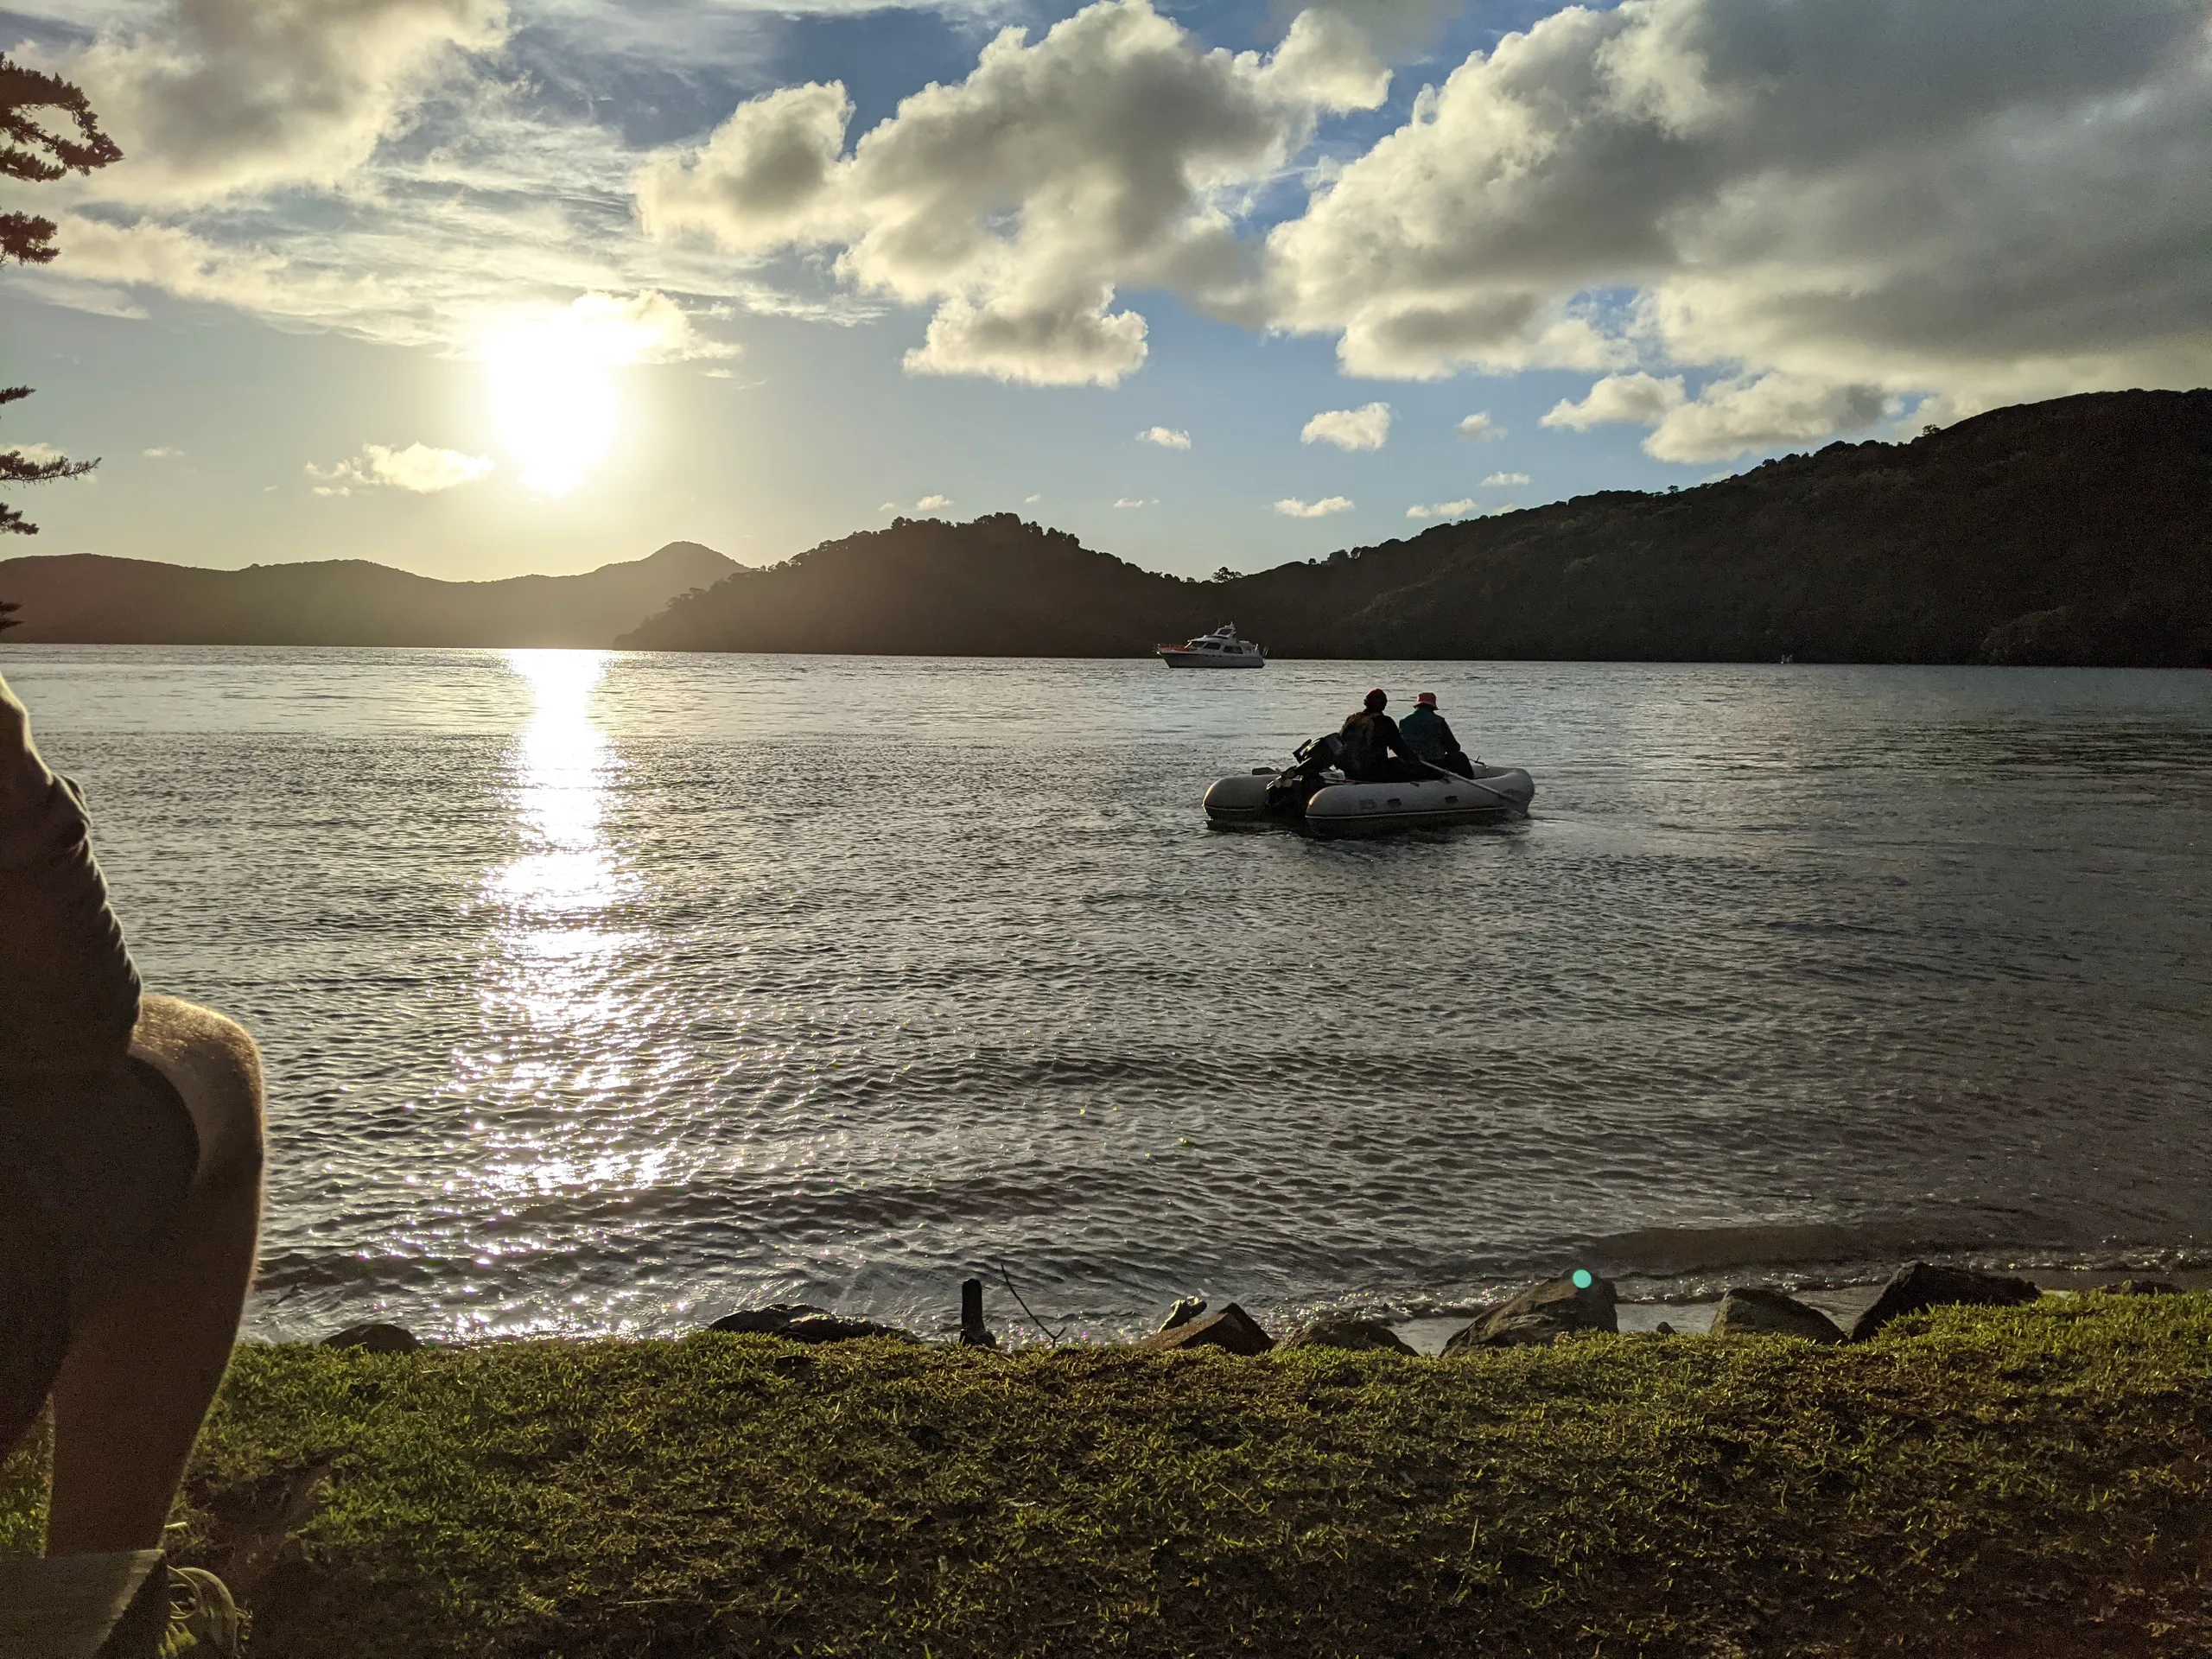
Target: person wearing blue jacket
[(1428, 734)]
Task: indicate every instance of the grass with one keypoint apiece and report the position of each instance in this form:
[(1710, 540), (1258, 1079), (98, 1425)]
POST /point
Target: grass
[(2022, 1482)]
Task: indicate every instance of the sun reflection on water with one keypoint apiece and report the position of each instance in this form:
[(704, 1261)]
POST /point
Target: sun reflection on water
[(555, 1077)]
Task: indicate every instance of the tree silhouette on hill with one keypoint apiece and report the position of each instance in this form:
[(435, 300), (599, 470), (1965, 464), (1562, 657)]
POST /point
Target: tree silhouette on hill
[(38, 153)]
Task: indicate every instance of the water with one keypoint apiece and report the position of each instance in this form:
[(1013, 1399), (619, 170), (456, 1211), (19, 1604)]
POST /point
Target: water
[(606, 992)]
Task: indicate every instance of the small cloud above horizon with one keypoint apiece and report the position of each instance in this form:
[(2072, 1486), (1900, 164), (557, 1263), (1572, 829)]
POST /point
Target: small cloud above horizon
[(166, 452), (1442, 509), (1505, 480), (1136, 501), (1166, 437), (1290, 507), (1479, 427), (1365, 428), (418, 469), (1031, 500), (932, 503)]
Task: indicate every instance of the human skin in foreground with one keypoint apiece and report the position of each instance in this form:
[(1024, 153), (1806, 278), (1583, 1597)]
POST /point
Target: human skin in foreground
[(133, 1125)]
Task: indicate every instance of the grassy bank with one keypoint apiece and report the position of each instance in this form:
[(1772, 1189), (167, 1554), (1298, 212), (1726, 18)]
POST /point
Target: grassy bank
[(2033, 1481)]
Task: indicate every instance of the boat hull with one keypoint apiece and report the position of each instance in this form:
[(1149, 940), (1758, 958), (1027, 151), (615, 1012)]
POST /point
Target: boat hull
[(1494, 795), (1210, 659)]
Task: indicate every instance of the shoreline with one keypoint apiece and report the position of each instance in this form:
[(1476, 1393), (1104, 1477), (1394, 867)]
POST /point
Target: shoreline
[(2034, 1479)]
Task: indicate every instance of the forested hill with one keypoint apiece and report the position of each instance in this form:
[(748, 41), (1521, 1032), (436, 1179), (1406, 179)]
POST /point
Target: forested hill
[(84, 598), (2074, 532)]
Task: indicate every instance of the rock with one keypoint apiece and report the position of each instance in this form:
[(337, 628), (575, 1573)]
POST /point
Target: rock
[(2143, 1287), (1184, 1312), (1542, 1313), (1232, 1329), (1354, 1336), (374, 1338), (1923, 1286), (1757, 1312), (800, 1322)]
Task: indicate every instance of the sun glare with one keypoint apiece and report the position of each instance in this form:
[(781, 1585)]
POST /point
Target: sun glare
[(553, 395)]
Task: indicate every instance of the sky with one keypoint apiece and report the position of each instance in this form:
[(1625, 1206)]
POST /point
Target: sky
[(482, 287)]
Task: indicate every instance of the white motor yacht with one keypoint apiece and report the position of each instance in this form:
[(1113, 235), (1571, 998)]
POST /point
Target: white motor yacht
[(1220, 649)]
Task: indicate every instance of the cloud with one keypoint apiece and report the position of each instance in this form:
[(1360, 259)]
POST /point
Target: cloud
[(1639, 398), (418, 469), (39, 455), (1019, 201), (1981, 199), (1134, 501), (1735, 415), (210, 98), (1365, 428), (1479, 427), (932, 502), (1031, 500), (605, 330), (1165, 437), (1746, 414), (1505, 480), (166, 452), (1442, 509), (887, 506), (1290, 507)]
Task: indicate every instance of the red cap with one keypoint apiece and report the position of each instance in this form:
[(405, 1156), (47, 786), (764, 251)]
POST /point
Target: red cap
[(1426, 700)]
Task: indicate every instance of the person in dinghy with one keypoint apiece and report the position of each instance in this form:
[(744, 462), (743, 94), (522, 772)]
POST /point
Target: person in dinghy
[(1375, 750), (1428, 734)]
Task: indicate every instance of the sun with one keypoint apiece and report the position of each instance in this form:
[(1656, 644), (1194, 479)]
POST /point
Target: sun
[(553, 396)]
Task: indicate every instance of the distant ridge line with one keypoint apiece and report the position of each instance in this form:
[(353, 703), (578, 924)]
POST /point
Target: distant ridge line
[(2068, 532), (93, 598)]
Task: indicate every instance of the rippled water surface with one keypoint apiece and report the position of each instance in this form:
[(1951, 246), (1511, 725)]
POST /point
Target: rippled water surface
[(608, 991)]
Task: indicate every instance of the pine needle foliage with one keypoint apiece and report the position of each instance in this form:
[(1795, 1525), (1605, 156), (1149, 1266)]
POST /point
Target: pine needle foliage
[(37, 150)]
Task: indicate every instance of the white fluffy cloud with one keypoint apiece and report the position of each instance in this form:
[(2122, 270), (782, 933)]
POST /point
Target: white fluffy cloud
[(1735, 415), (1747, 413), (1442, 509), (1019, 200), (1983, 199), (1290, 507), (1505, 480), (1641, 399), (1480, 428), (207, 98), (1365, 428), (932, 503), (418, 469), (1166, 437)]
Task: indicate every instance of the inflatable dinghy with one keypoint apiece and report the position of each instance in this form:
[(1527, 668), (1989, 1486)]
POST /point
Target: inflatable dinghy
[(1314, 795)]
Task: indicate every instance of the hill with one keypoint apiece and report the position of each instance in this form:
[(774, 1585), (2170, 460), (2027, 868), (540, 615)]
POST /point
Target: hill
[(2071, 531), (88, 599)]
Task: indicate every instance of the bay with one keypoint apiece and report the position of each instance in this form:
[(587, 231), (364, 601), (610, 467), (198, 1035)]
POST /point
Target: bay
[(606, 992)]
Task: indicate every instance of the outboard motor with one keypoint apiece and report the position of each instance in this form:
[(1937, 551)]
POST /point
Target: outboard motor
[(1316, 755)]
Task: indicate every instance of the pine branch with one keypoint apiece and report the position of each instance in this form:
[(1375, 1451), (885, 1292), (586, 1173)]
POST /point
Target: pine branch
[(38, 154), (16, 467)]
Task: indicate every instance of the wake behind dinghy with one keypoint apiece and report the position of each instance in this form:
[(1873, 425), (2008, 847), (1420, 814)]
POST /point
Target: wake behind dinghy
[(1315, 794)]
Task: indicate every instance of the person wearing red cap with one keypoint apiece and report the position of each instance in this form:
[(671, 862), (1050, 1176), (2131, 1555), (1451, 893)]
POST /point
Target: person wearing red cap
[(1375, 750), (1428, 734)]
